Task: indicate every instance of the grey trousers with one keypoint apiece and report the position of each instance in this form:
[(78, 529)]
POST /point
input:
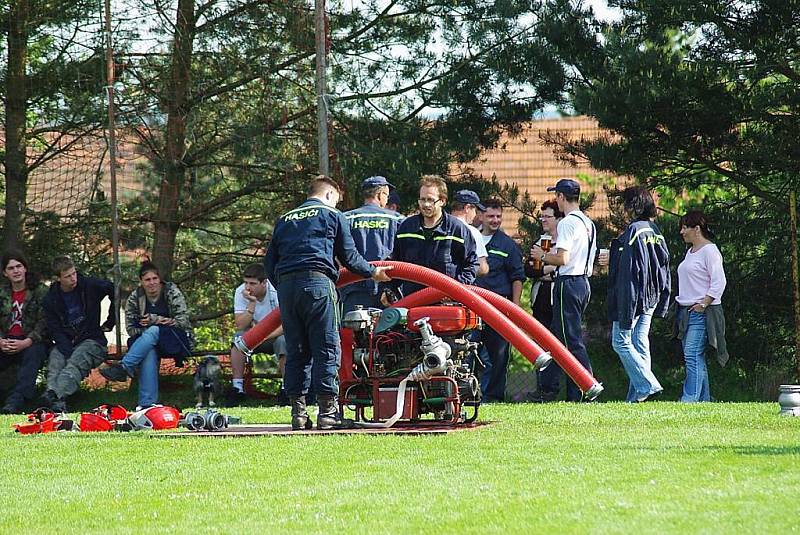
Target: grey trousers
[(64, 375)]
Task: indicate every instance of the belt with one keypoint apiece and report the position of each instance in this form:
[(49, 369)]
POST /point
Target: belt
[(581, 276), (303, 274)]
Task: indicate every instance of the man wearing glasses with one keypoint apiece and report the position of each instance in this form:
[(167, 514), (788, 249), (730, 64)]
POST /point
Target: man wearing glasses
[(373, 228), (435, 239)]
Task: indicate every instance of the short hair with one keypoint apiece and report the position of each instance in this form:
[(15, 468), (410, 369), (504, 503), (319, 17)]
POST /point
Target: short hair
[(320, 183), (494, 203), (639, 202), (372, 192), (148, 266), (61, 264), (553, 205), (255, 271), (437, 182), (570, 197), (456, 206), (696, 218)]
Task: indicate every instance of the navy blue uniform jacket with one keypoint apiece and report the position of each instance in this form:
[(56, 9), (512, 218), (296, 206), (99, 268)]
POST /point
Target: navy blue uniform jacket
[(373, 229), (448, 248), (91, 292), (638, 272), (310, 238), (505, 265)]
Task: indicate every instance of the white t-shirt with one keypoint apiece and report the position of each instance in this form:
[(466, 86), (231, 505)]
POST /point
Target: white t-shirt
[(487, 239), (263, 307), (480, 246), (701, 274), (575, 231)]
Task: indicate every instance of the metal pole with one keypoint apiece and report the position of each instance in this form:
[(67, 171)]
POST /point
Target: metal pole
[(322, 103), (112, 153)]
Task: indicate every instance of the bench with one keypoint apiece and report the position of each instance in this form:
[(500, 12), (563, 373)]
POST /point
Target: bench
[(190, 365)]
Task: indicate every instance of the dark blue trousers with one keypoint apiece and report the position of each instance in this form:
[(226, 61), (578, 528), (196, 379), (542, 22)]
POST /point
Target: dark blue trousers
[(29, 362), (310, 316), (494, 354), (359, 296), (570, 298)]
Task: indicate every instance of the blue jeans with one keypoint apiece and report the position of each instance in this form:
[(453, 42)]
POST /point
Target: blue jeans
[(633, 347), (695, 388), (310, 315), (143, 358)]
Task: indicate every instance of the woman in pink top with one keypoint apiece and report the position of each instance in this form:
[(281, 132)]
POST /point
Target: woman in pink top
[(701, 282)]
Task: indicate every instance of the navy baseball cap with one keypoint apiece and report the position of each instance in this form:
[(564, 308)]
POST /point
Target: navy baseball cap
[(568, 186), (375, 181), (467, 196), (394, 198)]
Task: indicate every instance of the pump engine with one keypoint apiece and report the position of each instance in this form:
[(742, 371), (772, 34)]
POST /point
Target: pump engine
[(410, 365)]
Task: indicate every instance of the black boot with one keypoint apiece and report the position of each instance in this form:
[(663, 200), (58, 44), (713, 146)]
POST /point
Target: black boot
[(13, 404), (329, 417), (300, 419)]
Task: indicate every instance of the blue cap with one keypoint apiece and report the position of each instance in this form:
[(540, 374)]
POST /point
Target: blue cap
[(375, 181), (568, 186), (467, 196), (394, 198)]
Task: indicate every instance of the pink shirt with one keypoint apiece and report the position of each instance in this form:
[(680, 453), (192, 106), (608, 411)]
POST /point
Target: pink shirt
[(701, 274)]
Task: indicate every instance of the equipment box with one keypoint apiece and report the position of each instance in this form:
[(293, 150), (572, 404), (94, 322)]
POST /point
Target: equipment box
[(386, 404)]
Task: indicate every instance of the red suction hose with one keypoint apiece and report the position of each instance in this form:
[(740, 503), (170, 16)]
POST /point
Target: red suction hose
[(571, 366)]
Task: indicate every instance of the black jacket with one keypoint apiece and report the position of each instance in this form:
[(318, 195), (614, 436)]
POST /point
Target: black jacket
[(91, 291), (638, 274)]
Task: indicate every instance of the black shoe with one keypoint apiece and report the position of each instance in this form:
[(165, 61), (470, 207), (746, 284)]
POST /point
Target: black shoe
[(59, 405), (650, 397), (542, 396), (115, 372), (235, 397), (47, 399), (13, 405)]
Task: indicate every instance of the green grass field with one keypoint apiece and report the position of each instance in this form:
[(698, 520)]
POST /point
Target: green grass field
[(608, 467)]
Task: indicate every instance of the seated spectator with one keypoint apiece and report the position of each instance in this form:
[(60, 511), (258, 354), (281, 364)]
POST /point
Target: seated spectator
[(157, 321), (23, 338), (72, 310), (252, 301)]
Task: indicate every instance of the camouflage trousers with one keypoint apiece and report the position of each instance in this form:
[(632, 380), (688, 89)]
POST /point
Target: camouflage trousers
[(64, 375)]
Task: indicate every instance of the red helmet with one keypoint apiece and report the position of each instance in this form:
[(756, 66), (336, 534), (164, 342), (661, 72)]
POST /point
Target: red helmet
[(156, 418), (41, 421), (103, 418), (91, 421)]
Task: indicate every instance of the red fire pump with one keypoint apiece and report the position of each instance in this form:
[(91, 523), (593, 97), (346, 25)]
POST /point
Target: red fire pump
[(406, 363), (366, 351)]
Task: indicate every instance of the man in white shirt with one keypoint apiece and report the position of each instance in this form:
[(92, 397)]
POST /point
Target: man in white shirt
[(465, 207), (252, 301), (574, 255)]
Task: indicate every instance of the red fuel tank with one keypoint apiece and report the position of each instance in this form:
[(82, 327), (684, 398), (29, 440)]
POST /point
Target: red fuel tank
[(444, 319)]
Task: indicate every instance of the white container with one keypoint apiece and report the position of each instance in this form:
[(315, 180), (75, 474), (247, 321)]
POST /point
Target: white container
[(789, 400)]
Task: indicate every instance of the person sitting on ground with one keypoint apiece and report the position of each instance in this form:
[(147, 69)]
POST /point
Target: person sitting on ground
[(253, 300), (23, 329), (72, 310), (157, 321)]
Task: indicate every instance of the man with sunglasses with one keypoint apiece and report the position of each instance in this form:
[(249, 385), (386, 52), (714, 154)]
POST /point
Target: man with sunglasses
[(435, 239)]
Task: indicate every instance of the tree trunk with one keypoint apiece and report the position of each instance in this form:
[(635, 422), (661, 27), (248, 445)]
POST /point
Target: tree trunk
[(795, 282), (167, 220), (16, 131)]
